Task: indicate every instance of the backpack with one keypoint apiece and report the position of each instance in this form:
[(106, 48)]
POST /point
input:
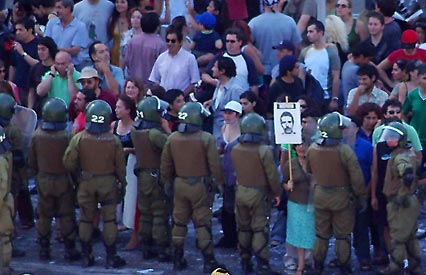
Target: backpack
[(314, 90)]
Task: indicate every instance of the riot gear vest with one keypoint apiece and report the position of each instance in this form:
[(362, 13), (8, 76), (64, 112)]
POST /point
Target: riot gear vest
[(302, 182), (323, 158), (147, 155), (189, 155), (393, 181), (248, 165), (50, 147), (97, 153)]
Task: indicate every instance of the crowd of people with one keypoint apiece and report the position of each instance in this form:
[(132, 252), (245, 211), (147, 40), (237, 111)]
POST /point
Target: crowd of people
[(175, 102)]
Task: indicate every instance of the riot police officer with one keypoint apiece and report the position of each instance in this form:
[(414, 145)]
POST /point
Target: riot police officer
[(149, 139), (55, 191), (402, 207), (257, 182), (339, 181), (6, 204), (190, 154), (99, 158)]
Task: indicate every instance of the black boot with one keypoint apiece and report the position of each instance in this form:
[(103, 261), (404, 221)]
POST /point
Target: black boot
[(71, 253), (88, 259), (113, 260), (246, 266), (230, 238), (44, 253), (179, 262), (163, 255), (345, 269), (263, 268), (210, 263), (318, 268), (148, 251)]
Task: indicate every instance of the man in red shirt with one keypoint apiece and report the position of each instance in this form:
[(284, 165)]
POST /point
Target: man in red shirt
[(408, 51), (82, 98)]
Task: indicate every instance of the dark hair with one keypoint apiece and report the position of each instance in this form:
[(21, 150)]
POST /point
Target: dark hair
[(227, 64), (421, 23), (412, 66), (171, 95), (139, 84), (402, 64), (89, 94), (237, 32), (6, 88), (92, 49), (368, 70), (311, 112), (128, 104), (217, 5), (49, 43), (43, 3), (26, 22), (387, 7), (171, 30), (356, 120), (377, 15), (319, 26), (422, 69), (250, 96), (67, 3), (157, 90), (24, 7), (115, 16), (367, 107), (179, 22), (364, 49), (150, 22), (391, 102), (244, 27), (286, 113)]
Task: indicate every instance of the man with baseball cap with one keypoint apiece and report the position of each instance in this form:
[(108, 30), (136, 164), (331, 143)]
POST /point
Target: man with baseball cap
[(285, 47), (408, 51)]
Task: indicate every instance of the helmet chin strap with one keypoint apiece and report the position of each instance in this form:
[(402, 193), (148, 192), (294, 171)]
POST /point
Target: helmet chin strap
[(188, 128)]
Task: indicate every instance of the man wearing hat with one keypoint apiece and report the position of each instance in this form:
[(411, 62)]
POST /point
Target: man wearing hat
[(61, 80), (89, 79), (408, 51), (284, 48)]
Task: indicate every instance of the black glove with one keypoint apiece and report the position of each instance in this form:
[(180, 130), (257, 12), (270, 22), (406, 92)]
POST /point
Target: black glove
[(408, 177)]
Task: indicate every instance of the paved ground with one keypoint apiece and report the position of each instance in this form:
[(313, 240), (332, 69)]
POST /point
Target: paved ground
[(58, 266)]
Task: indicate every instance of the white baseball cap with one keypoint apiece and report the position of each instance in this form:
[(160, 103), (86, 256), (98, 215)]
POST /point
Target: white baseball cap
[(233, 106)]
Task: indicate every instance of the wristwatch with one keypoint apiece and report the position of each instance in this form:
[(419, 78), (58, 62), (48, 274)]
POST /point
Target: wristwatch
[(24, 54)]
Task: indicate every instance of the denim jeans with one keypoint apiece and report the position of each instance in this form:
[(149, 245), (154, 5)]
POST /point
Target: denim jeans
[(361, 241), (279, 228)]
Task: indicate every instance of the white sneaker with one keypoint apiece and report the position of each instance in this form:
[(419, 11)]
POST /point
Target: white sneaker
[(289, 263)]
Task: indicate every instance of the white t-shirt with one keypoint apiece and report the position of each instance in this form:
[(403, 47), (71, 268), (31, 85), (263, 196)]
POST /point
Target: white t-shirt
[(241, 67), (318, 63)]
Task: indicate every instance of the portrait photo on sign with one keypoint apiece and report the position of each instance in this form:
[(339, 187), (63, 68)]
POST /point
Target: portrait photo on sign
[(287, 123)]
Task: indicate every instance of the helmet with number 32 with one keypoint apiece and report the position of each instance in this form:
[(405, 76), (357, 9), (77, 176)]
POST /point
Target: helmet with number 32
[(98, 114)]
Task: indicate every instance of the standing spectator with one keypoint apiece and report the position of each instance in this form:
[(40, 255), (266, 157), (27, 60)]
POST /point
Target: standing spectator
[(410, 84), (356, 31), (14, 90), (287, 84), (176, 68), (134, 88), (44, 10), (82, 99), (227, 89), (284, 48), (303, 12), (95, 15), (23, 57), (366, 90), (369, 113), (112, 77), (176, 100), (392, 31), (246, 69), (249, 101), (118, 25), (61, 80), (335, 30), (143, 50), (414, 109), (376, 25), (268, 29), (362, 53), (135, 28), (46, 50), (408, 51), (69, 33), (322, 60)]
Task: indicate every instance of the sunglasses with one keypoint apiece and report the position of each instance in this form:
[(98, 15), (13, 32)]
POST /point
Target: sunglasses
[(343, 6), (392, 112), (231, 41), (171, 40)]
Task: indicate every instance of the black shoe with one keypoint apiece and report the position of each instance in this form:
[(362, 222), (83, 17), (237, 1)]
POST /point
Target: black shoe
[(88, 259), (71, 253), (211, 264), (179, 262), (114, 261), (246, 266)]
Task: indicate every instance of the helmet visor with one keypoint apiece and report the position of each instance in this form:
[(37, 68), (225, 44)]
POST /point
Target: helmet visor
[(390, 133)]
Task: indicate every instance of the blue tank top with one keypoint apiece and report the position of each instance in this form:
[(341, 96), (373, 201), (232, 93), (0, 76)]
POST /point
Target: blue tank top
[(126, 140)]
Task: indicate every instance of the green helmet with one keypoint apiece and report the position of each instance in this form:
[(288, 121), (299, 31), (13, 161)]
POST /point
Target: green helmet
[(332, 124), (150, 108), (54, 114), (394, 131), (98, 114), (192, 113), (253, 123), (7, 107)]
